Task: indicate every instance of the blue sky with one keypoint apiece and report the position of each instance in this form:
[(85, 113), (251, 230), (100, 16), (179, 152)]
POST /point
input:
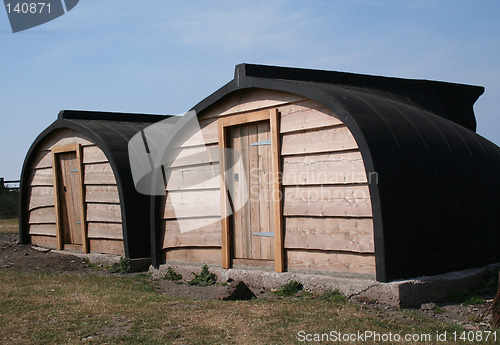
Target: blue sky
[(162, 57)]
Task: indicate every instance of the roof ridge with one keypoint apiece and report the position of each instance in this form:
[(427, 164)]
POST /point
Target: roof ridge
[(109, 116)]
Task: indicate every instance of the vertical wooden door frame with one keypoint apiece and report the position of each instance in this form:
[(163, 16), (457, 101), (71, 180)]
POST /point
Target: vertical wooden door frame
[(224, 123), (56, 150)]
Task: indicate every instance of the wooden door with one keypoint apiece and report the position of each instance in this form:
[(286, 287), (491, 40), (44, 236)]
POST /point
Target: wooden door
[(69, 199), (252, 221)]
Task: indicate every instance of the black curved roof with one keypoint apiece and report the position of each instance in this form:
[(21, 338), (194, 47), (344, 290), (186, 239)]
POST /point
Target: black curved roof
[(111, 132), (436, 201)]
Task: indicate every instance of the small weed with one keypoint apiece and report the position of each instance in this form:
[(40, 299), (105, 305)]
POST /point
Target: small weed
[(205, 278), (438, 310), (289, 289), (120, 267), (172, 275), (94, 266), (224, 284), (334, 296)]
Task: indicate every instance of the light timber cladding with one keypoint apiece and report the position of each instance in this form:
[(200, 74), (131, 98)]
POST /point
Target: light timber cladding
[(103, 220), (326, 204)]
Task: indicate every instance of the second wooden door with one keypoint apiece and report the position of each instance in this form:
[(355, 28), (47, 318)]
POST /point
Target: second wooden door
[(69, 198)]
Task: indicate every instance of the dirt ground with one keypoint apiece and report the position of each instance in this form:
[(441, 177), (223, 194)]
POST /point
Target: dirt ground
[(26, 259)]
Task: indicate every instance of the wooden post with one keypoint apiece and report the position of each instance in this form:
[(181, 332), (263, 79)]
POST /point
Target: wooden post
[(226, 238), (83, 213), (55, 174), (279, 262)]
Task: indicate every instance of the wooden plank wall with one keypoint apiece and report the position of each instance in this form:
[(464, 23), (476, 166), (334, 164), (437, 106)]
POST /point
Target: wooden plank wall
[(327, 207), (101, 196)]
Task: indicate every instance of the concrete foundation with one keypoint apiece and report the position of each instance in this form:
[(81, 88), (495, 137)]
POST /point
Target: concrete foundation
[(136, 265), (404, 293), (103, 259)]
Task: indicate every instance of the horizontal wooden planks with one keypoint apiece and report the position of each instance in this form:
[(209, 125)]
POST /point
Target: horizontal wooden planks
[(324, 168), (41, 197), (42, 229), (208, 134), (250, 100), (340, 201), (44, 241), (105, 230), (196, 203), (102, 194), (42, 215), (191, 233), (306, 115), (41, 160), (331, 261), (197, 155), (62, 138), (110, 213), (106, 246), (41, 177), (93, 154), (340, 234), (201, 255), (319, 140), (100, 173), (190, 224), (194, 178)]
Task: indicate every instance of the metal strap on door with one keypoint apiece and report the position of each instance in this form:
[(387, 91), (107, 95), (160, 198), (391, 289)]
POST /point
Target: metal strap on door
[(263, 142), (264, 234)]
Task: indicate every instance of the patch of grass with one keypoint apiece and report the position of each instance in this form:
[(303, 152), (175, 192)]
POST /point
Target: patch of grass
[(120, 267), (53, 308), (438, 310), (172, 275), (204, 278), (466, 298), (9, 226), (289, 289), (334, 296)]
